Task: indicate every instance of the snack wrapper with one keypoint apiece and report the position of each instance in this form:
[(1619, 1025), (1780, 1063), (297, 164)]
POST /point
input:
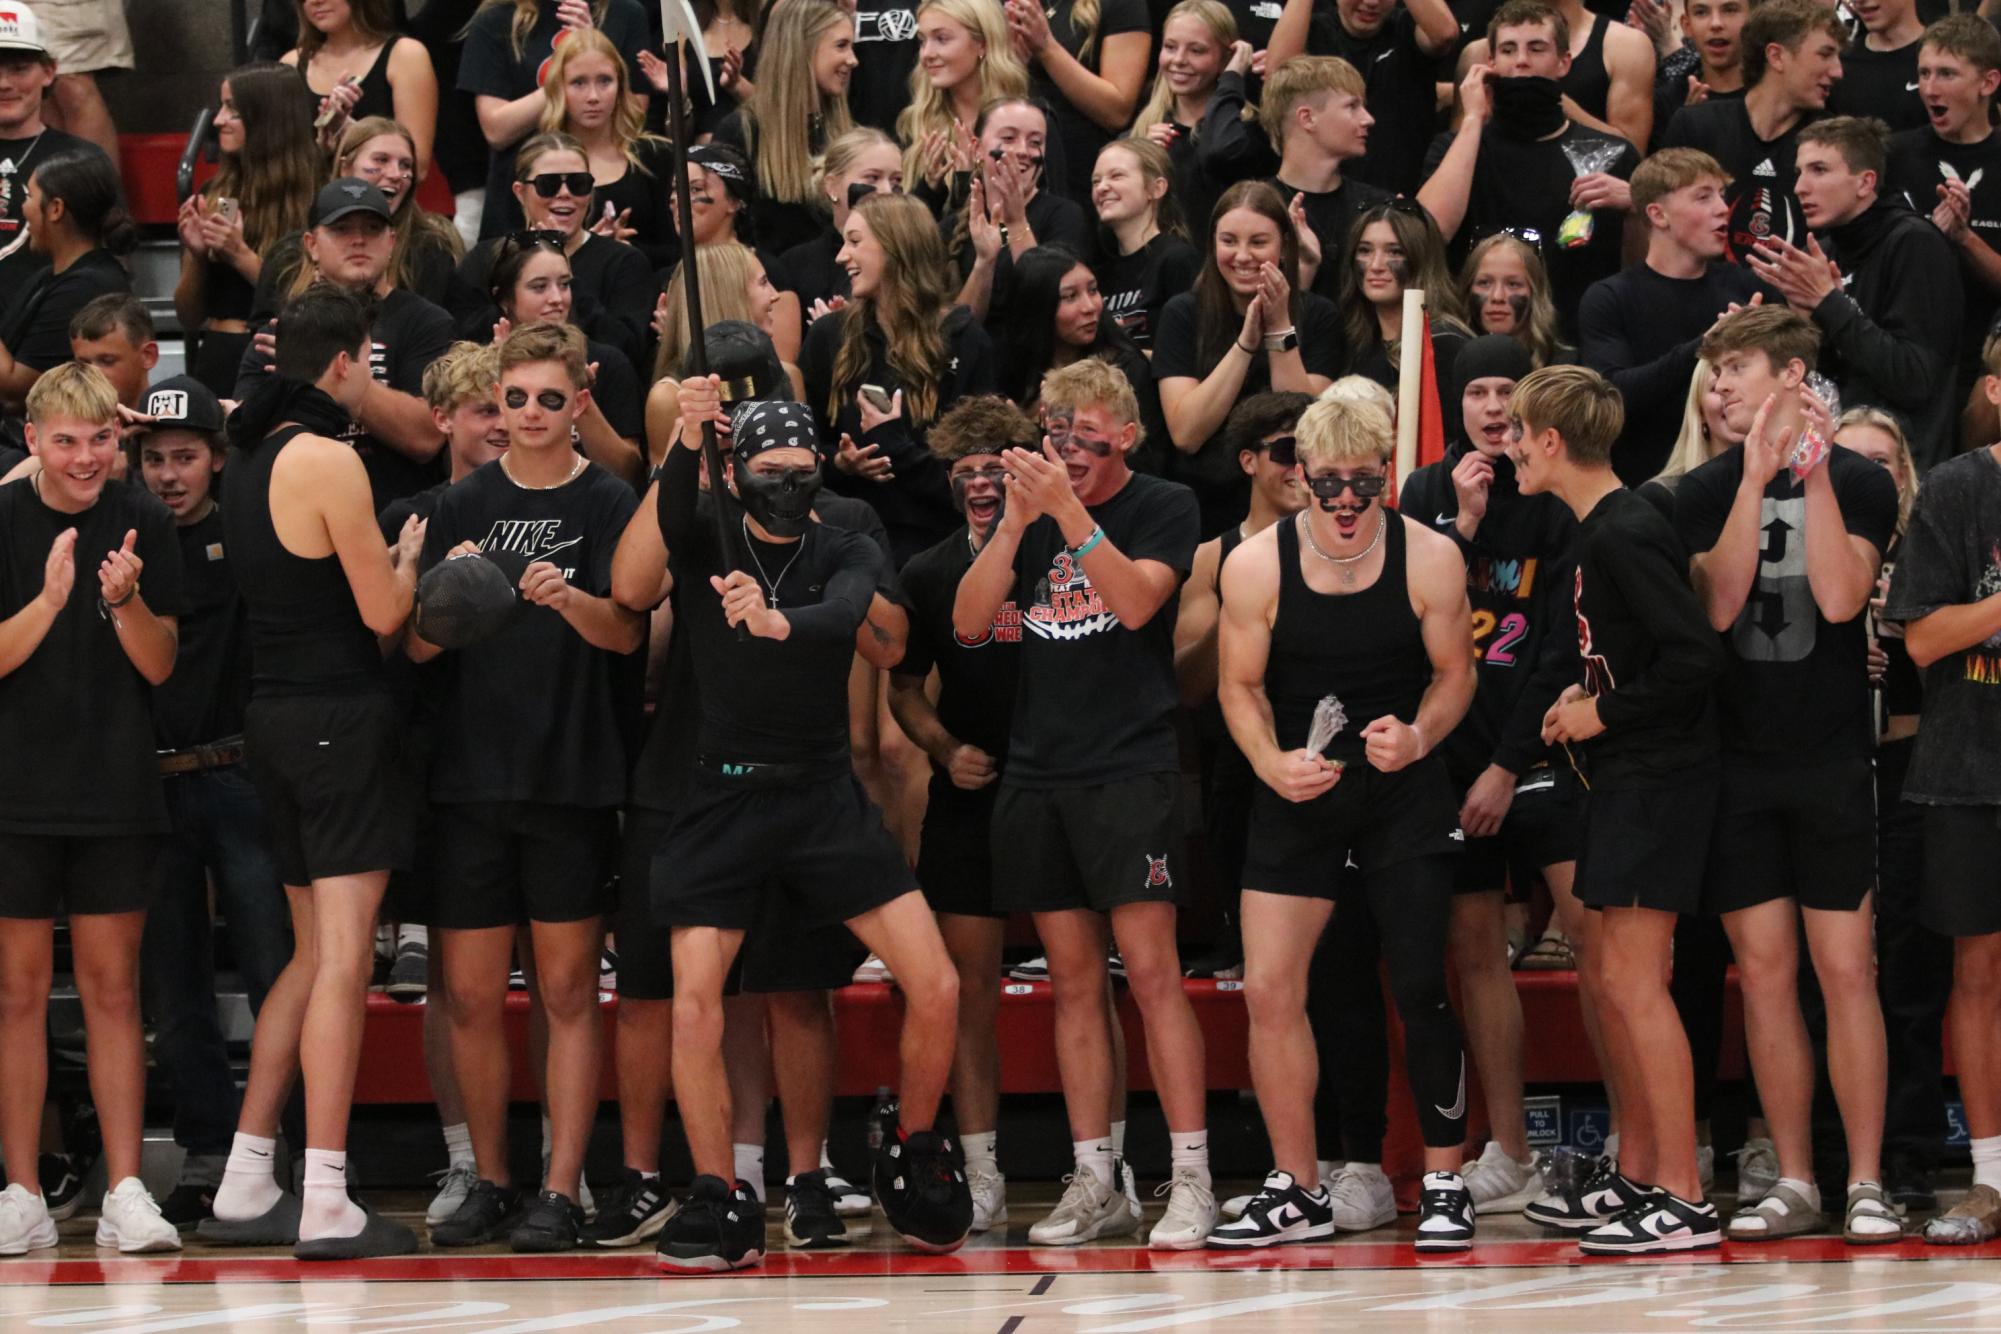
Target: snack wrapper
[(1328, 720), (1586, 159), (1812, 447)]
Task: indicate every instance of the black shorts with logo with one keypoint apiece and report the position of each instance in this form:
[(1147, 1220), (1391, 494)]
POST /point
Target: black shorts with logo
[(1962, 889), (1647, 847), (508, 863), (955, 854), (1099, 847), (1369, 818), (1541, 829), (338, 792), (46, 876), (1806, 832)]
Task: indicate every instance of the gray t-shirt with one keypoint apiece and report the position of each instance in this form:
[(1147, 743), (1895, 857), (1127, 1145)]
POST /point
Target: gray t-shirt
[(1951, 556)]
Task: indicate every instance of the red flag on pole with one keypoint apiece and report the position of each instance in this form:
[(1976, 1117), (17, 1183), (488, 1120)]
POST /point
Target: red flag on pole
[(1430, 416)]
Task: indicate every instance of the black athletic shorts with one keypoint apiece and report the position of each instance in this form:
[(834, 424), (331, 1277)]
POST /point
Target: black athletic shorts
[(1647, 847), (1370, 818), (955, 855), (1962, 889), (645, 952), (45, 876), (508, 863), (1101, 847), (815, 843), (1541, 830), (339, 797), (1805, 833)]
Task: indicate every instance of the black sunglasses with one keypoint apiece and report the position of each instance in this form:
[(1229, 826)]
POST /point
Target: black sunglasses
[(529, 238), (1282, 450), (551, 183), (1366, 486), (551, 400)]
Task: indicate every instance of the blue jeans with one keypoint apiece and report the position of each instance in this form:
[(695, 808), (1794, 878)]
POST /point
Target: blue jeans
[(218, 834)]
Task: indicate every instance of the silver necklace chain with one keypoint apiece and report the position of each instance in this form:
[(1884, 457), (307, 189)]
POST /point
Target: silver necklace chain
[(1306, 524), (770, 583)]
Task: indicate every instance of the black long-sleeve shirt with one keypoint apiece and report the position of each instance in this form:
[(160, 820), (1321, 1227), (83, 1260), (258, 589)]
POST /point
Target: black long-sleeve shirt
[(1649, 653)]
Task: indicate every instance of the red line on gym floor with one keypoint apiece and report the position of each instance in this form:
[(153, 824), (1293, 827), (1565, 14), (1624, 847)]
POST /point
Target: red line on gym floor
[(432, 1268)]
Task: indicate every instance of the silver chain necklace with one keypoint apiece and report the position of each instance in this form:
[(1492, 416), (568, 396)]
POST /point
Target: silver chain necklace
[(1345, 563), (769, 582)]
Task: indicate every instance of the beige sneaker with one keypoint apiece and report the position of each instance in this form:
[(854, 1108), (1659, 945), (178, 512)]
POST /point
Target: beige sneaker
[(1090, 1209), (1190, 1215), (989, 1198)]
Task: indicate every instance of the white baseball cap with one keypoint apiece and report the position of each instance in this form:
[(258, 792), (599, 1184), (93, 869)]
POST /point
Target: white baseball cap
[(19, 29)]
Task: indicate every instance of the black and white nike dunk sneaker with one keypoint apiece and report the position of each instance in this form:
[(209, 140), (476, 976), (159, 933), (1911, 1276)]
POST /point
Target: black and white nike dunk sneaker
[(1659, 1222), (1605, 1194), (1444, 1214), (1280, 1214)]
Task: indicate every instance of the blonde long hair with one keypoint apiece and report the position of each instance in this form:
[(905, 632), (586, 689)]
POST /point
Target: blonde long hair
[(526, 13), (1222, 26), (416, 227), (1693, 446), (1001, 75), (725, 270), (788, 108), (1903, 471), (628, 123), (908, 308), (1538, 326)]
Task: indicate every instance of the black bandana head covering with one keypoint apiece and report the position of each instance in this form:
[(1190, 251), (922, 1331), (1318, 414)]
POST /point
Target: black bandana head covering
[(782, 503)]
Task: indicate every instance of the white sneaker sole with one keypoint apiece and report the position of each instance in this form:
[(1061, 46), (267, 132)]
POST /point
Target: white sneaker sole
[(1159, 1240), (1657, 1246), (111, 1239), (42, 1240), (1383, 1219), (1123, 1226), (1510, 1204), (988, 1224), (707, 1264), (1292, 1236), (1441, 1245)]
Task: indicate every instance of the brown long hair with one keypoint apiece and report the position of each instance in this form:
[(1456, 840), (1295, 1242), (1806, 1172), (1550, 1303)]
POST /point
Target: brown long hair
[(908, 308), (1424, 252), (1217, 320), (280, 167), (373, 19)]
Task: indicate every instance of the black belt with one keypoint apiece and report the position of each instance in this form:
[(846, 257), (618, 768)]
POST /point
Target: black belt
[(757, 773), (198, 759)]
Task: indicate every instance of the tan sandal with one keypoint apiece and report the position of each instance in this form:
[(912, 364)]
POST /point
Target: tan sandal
[(1784, 1212), (1550, 954), (1870, 1221)]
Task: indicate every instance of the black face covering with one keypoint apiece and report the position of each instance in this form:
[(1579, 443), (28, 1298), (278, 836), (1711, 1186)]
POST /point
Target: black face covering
[(277, 399), (782, 503), (1527, 107)]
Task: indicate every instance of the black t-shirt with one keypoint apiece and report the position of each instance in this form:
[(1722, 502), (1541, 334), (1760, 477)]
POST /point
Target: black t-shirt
[(617, 391), (203, 700), (1920, 162), (613, 287), (811, 273), (18, 160), (1762, 171), (1137, 287), (1641, 330), (1671, 90), (36, 326), (1081, 136), (1883, 84), (76, 718), (1074, 649), (1212, 470), (1795, 687), (976, 677), (1256, 19), (1525, 184), (886, 46), (536, 714), (642, 189), (488, 66), (1054, 219), (1402, 95), (1649, 654), (1952, 556), (1332, 216), (410, 333)]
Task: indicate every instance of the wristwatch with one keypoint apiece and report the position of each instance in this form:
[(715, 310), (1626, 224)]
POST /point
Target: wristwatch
[(1285, 340)]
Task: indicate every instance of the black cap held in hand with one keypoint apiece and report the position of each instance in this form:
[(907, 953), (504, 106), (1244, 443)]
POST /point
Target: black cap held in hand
[(466, 600)]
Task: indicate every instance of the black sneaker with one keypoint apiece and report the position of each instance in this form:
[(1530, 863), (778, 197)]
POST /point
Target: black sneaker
[(62, 1185), (551, 1223), (634, 1211), (1280, 1214), (189, 1206), (1907, 1182), (1659, 1222), (717, 1228), (921, 1185), (1444, 1214), (486, 1216), (1605, 1195), (810, 1220)]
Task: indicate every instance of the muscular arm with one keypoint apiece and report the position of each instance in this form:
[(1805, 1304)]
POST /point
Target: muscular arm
[(1132, 590), (1841, 568), (401, 421), (327, 476), (639, 579), (1446, 622), (1250, 590), (1723, 575), (1195, 626)]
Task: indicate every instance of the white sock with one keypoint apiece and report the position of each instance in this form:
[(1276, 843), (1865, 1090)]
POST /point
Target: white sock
[(1987, 1161), (413, 933), (1118, 1139), (979, 1150), (1325, 1168), (458, 1143), (324, 1208), (1806, 1190), (1612, 1146), (750, 1167), (1095, 1156), (249, 1187), (547, 1137), (1191, 1151), (826, 1163)]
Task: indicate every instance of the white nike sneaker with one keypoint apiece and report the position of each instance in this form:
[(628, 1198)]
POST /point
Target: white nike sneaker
[(1363, 1198), (131, 1221), (989, 1198), (25, 1224), (1190, 1215), (1088, 1210), (1130, 1184), (1501, 1185), (453, 1185)]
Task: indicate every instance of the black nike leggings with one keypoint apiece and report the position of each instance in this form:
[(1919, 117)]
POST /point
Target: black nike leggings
[(1400, 915)]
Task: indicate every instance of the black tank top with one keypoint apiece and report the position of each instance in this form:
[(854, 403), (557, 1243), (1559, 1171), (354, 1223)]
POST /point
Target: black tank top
[(1589, 83), (306, 632), (1366, 648), (377, 97), (1230, 539)]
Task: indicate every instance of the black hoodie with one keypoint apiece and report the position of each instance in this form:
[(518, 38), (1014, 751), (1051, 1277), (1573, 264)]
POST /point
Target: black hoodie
[(1519, 575), (1892, 332)]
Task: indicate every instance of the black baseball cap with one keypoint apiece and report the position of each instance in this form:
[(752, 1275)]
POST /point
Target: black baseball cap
[(183, 403), (466, 600), (344, 195)]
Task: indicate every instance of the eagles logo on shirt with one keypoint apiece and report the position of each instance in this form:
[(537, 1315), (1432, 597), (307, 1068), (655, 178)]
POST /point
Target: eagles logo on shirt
[(1066, 606)]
